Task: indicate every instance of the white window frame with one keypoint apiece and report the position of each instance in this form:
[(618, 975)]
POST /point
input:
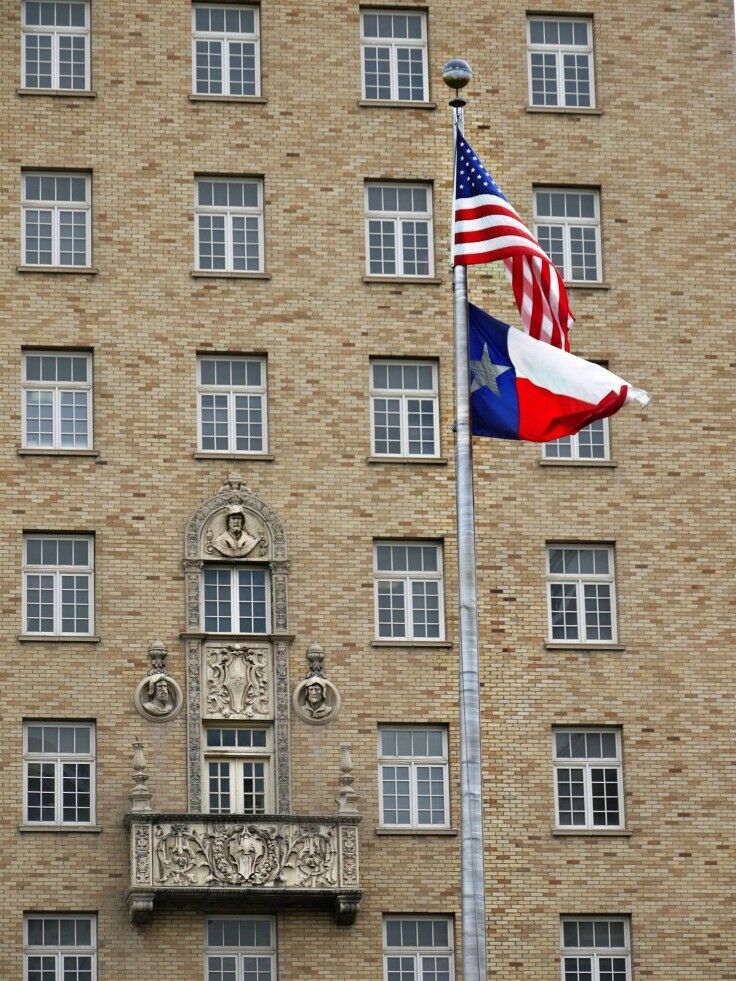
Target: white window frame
[(56, 33), (235, 757), (559, 50), (226, 37), (57, 571), (406, 578), (419, 952), (55, 207), (393, 44), (58, 759), (234, 598), (56, 387), (229, 212), (566, 224), (413, 762), (59, 951), (403, 395), (397, 217), (587, 764), (240, 952), (574, 442), (580, 580), (595, 953), (231, 391)]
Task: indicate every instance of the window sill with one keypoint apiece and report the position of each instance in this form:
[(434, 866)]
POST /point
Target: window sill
[(223, 274), (418, 832), (404, 280), (437, 461), (601, 464), (396, 104), (60, 829), (214, 455), (590, 833), (237, 638), (56, 639), (579, 285), (63, 270), (61, 93), (565, 110), (40, 451), (583, 648), (412, 643), (257, 100)]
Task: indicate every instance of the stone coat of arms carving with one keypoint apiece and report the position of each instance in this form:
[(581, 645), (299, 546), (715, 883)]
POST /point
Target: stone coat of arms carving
[(238, 682)]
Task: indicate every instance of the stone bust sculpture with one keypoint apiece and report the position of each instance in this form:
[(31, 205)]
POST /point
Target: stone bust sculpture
[(158, 697), (235, 542), (315, 702), (159, 701)]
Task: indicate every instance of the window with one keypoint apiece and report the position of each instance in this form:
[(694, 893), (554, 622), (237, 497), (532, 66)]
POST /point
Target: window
[(55, 218), (58, 585), (588, 778), (241, 949), (568, 229), (581, 594), (229, 217), (418, 948), (226, 50), (55, 38), (596, 949), (244, 591), (561, 62), (232, 404), (398, 227), (408, 584), (59, 947), (57, 400), (394, 45), (238, 766), (413, 777), (404, 408), (591, 443), (58, 773)]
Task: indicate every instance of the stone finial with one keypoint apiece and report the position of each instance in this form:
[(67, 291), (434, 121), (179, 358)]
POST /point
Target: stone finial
[(234, 482), (157, 655), (346, 796), (140, 797), (316, 658)]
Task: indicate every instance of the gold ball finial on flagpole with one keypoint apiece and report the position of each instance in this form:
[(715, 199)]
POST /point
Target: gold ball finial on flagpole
[(456, 74)]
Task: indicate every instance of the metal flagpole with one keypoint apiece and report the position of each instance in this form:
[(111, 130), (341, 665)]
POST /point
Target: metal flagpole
[(456, 74)]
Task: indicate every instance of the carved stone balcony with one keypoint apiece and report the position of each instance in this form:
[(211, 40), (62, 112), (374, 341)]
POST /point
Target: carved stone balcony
[(211, 861)]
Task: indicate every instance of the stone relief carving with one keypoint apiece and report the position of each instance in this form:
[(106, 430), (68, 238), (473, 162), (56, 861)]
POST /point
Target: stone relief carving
[(142, 853), (158, 698), (237, 682), (288, 855), (283, 774), (316, 700), (194, 724), (349, 847), (238, 538)]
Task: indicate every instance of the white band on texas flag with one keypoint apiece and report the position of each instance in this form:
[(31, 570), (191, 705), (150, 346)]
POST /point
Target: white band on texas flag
[(522, 388)]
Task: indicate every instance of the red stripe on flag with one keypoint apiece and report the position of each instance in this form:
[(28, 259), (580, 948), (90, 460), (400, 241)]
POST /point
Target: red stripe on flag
[(545, 415), (482, 211), (497, 231)]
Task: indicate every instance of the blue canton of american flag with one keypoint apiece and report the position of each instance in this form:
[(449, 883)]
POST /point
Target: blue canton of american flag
[(487, 228)]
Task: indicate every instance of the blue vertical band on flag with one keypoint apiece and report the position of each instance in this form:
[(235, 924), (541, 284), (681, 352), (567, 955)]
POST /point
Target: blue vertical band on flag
[(494, 404)]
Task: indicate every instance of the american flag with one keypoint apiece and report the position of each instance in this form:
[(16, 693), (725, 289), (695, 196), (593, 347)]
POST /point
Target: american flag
[(487, 228)]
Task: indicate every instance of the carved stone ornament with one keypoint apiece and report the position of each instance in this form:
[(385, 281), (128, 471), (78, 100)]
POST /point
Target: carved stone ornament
[(316, 700), (233, 534), (238, 682), (158, 698), (257, 854)]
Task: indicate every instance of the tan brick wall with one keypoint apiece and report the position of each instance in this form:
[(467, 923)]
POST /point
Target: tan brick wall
[(662, 154)]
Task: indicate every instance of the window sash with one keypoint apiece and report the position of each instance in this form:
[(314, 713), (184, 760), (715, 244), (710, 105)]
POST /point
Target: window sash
[(229, 215), (55, 210), (227, 39), (404, 397), (57, 391), (236, 773), (398, 224), (587, 768), (569, 227), (574, 587), (57, 957), (418, 962), (394, 46), (233, 589), (413, 764), (230, 394), (594, 955), (55, 33), (594, 436), (82, 575), (558, 52)]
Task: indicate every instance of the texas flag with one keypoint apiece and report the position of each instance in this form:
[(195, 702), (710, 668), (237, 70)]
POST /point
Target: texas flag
[(522, 388)]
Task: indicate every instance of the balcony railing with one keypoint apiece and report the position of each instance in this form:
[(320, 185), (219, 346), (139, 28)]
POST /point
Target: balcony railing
[(264, 862)]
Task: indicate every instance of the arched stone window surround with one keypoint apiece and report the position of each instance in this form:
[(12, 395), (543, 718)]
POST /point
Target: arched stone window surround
[(234, 491)]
